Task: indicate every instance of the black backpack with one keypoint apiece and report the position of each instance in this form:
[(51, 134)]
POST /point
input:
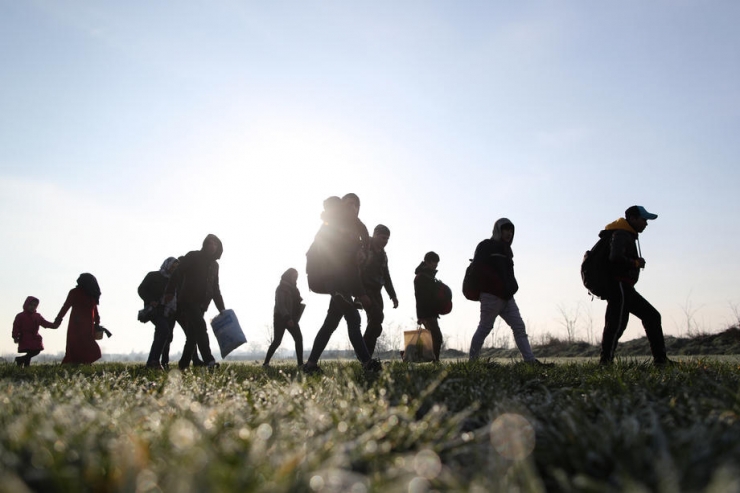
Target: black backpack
[(471, 282), (321, 268), (596, 270)]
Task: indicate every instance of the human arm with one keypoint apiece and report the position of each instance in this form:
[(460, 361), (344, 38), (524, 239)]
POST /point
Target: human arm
[(389, 285), (217, 298), (65, 308), (283, 305), (45, 323), (16, 329)]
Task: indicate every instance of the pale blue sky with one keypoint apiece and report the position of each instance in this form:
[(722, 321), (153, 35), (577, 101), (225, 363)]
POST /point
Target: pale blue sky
[(129, 131)]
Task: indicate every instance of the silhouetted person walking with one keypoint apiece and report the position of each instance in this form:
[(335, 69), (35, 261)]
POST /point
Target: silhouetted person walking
[(376, 276), (286, 315)]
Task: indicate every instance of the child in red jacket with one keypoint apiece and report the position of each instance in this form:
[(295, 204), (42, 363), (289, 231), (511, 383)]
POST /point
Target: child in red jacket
[(26, 331)]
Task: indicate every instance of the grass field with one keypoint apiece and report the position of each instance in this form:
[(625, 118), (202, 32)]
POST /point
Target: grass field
[(413, 428)]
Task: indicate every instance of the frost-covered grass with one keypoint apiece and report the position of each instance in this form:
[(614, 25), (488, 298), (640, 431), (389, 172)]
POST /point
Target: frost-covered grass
[(457, 426)]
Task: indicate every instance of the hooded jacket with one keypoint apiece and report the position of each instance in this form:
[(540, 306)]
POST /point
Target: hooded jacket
[(196, 278), (26, 328), (288, 299), (623, 254), (425, 292), (495, 259)]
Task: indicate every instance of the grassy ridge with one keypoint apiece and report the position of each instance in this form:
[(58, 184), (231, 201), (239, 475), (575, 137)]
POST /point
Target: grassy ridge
[(457, 426)]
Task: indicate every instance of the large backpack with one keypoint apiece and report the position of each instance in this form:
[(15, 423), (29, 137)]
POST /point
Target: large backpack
[(321, 264), (471, 282), (596, 269)]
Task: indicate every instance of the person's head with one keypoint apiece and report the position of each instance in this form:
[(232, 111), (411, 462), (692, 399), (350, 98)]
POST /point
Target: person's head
[(503, 230), (213, 246), (332, 209), (89, 285), (31, 304), (169, 266), (290, 276), (432, 260), (381, 235), (637, 217), (352, 202)]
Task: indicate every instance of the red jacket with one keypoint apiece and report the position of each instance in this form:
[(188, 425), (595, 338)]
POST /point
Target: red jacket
[(26, 328)]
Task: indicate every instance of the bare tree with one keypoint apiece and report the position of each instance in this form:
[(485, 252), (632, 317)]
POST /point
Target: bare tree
[(735, 308), (689, 312), (569, 320)]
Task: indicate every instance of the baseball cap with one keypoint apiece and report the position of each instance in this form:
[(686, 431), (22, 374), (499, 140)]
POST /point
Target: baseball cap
[(638, 210)]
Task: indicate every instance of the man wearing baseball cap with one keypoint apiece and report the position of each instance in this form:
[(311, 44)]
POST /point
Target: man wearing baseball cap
[(625, 260)]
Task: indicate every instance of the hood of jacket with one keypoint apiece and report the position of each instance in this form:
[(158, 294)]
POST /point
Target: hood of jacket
[(219, 246), (29, 300), (423, 269), (497, 229), (620, 224), (165, 269)]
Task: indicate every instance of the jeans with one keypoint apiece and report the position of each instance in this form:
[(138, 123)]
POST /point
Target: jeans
[(492, 306), (623, 301), (339, 308)]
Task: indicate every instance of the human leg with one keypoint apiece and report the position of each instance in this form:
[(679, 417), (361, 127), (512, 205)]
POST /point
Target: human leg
[(652, 322), (161, 335), (490, 307), (354, 330), (615, 321), (510, 314), (29, 355), (331, 322), (295, 331), (432, 325), (279, 328), (375, 318)]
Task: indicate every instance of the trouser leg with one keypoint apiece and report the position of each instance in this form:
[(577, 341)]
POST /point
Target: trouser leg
[(196, 334), (375, 318), (295, 331), (510, 314), (279, 327), (652, 323), (331, 322), (615, 321), (354, 330), (161, 335), (432, 325), (490, 307), (29, 355)]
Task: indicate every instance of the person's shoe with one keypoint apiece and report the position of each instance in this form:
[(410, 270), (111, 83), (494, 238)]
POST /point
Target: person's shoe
[(537, 362), (182, 366), (372, 366), (664, 363), (606, 362), (155, 366), (166, 366), (265, 365), (19, 361), (212, 365), (312, 369), (198, 362)]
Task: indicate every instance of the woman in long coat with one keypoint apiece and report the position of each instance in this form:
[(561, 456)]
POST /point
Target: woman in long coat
[(84, 299)]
